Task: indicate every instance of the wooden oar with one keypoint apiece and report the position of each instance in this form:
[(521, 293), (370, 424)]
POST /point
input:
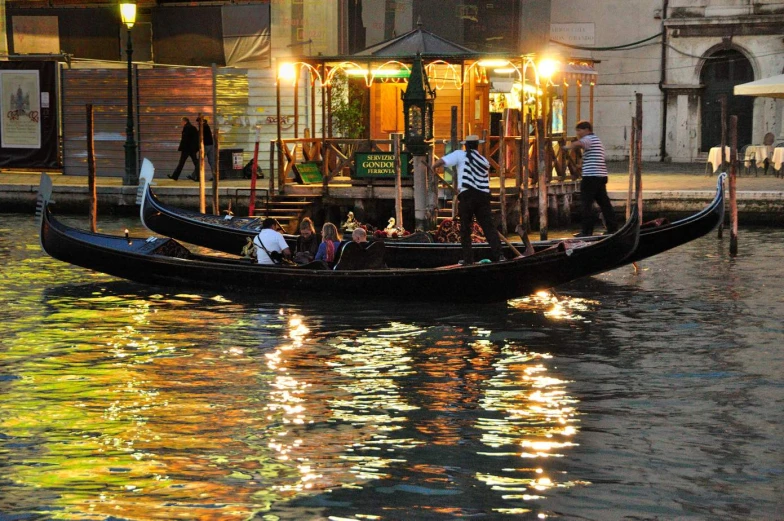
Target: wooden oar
[(511, 247)]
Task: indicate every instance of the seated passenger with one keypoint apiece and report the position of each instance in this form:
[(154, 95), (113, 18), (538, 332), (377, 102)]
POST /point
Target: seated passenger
[(307, 242), (270, 244), (359, 235), (330, 242)]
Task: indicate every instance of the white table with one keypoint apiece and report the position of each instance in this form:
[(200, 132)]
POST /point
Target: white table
[(761, 152), (714, 157), (778, 157)]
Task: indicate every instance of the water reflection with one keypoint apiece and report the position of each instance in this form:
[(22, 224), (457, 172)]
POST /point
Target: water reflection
[(202, 406), (127, 402)]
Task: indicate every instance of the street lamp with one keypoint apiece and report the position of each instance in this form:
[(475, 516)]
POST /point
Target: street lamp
[(128, 14), (418, 102)]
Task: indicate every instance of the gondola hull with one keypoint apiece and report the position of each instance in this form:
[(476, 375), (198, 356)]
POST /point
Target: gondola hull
[(164, 261), (230, 235)]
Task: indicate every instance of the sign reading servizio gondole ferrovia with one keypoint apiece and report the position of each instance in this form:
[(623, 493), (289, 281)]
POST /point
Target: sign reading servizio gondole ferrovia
[(379, 165)]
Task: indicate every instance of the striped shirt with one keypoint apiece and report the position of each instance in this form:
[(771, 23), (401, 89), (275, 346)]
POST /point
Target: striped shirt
[(594, 162), (473, 170)]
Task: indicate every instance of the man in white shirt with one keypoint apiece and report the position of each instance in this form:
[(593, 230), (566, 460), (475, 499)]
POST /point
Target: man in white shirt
[(473, 185), (270, 241)]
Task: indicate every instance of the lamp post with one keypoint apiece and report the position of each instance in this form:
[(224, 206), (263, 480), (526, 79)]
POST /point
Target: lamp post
[(418, 101), (131, 177)]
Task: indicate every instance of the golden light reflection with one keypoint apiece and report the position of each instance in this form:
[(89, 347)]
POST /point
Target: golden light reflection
[(555, 307), (528, 407)]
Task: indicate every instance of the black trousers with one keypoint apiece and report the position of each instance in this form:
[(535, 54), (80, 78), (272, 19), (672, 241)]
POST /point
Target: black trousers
[(475, 203), (594, 188), (183, 156)]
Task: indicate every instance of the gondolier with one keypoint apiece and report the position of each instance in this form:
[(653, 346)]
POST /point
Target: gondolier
[(593, 185), (473, 185)]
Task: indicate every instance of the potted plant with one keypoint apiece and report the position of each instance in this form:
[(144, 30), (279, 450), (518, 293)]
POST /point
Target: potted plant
[(348, 109)]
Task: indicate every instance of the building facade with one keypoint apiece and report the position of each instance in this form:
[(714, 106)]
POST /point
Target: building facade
[(682, 55), (704, 48)]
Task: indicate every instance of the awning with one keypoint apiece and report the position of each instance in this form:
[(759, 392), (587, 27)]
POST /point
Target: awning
[(579, 71), (767, 87)]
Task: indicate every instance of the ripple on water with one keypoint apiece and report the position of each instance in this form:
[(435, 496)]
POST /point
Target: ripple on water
[(617, 396)]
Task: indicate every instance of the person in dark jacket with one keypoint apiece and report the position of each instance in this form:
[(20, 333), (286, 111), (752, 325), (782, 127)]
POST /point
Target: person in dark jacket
[(189, 147), (209, 144), (307, 242)]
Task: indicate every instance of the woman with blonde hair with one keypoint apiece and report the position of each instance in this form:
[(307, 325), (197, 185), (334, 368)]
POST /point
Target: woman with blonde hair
[(330, 242)]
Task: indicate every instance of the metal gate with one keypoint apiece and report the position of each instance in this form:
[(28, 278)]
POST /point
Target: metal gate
[(160, 96)]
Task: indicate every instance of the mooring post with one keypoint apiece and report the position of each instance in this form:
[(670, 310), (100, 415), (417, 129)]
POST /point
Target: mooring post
[(398, 180), (542, 182), (638, 155), (454, 145), (420, 194), (733, 179), (525, 181), (91, 186), (723, 101), (431, 209), (216, 172), (632, 162), (502, 174), (202, 201), (254, 169)]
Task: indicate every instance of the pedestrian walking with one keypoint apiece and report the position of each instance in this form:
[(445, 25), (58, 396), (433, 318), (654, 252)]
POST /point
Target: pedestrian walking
[(189, 148), (209, 144)]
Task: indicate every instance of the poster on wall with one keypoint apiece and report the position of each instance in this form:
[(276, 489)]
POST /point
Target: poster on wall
[(20, 102)]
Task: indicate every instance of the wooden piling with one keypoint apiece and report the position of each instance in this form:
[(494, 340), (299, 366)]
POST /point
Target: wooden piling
[(733, 180), (542, 183), (91, 172), (502, 174), (525, 181), (632, 162), (215, 148), (202, 201), (398, 180), (455, 144), (723, 101), (638, 155), (216, 172), (252, 202)]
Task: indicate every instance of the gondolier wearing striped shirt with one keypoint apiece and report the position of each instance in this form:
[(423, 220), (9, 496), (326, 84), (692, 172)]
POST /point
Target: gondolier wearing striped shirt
[(473, 185), (593, 186)]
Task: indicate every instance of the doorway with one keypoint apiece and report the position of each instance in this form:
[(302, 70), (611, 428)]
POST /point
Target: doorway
[(722, 71)]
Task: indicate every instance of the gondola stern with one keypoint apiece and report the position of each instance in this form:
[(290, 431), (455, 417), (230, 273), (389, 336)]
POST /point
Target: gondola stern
[(43, 200)]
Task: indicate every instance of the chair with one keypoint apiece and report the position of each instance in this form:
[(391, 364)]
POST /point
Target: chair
[(747, 159), (780, 171)]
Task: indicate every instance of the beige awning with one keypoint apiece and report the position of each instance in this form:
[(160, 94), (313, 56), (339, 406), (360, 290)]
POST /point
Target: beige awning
[(767, 87)]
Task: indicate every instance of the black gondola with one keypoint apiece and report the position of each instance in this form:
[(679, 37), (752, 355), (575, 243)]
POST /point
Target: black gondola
[(164, 261), (229, 234)]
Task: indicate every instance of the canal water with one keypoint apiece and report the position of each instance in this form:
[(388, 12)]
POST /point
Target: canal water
[(655, 396)]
